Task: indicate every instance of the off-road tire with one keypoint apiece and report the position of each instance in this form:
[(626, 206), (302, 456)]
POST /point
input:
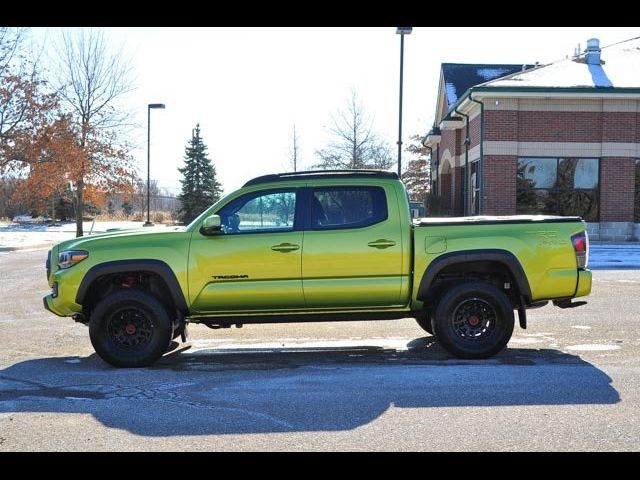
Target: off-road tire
[(130, 328), (473, 320), (424, 320)]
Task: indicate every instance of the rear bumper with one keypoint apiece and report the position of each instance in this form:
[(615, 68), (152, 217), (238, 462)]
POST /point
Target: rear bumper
[(584, 283)]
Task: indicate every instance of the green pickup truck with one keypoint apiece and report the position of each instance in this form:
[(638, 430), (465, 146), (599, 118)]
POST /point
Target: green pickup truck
[(317, 246)]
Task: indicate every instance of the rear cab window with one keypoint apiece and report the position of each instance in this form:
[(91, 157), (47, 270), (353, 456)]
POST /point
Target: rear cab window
[(347, 207)]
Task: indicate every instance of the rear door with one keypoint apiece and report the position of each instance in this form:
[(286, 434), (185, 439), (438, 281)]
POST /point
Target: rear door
[(352, 253)]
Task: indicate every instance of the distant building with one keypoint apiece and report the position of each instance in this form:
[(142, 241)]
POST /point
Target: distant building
[(417, 209), (560, 139)]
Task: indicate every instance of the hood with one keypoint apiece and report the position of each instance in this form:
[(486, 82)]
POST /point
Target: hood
[(115, 234)]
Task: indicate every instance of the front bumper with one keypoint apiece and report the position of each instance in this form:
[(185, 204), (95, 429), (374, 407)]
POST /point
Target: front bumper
[(64, 286), (61, 300), (47, 307), (61, 305)]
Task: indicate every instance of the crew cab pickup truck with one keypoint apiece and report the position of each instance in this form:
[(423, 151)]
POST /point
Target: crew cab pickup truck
[(317, 246)]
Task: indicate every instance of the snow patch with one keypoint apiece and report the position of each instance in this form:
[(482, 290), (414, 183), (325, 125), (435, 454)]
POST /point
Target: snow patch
[(491, 73), (593, 347), (452, 95), (614, 256), (525, 341), (396, 344)]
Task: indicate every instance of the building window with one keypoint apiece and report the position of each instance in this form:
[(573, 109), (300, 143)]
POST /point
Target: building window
[(475, 189), (558, 186), (636, 210)]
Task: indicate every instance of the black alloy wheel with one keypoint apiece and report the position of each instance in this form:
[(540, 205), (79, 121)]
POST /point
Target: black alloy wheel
[(473, 320), (130, 328)]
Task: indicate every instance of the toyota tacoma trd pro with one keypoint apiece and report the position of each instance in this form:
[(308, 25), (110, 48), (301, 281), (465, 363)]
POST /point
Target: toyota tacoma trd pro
[(317, 246)]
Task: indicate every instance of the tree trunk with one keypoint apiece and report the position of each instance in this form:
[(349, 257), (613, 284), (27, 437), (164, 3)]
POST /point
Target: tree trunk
[(79, 207)]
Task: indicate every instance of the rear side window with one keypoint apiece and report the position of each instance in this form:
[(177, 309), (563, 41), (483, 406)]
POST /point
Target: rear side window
[(347, 207)]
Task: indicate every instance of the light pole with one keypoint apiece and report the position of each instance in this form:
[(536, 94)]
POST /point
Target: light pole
[(402, 31), (149, 107)]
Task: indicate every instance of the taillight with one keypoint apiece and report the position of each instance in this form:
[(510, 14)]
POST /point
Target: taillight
[(581, 247)]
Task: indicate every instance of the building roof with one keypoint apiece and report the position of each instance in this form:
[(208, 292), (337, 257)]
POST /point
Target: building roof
[(459, 77), (619, 68)]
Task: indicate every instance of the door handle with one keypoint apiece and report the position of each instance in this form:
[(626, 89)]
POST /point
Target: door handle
[(381, 243), (285, 247)]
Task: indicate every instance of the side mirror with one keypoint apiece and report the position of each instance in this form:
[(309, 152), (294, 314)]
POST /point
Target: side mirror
[(212, 225)]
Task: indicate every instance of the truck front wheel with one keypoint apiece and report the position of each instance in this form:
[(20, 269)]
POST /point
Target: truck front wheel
[(473, 320), (424, 321), (130, 328)]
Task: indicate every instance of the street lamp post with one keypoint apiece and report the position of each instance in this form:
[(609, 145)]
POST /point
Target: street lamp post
[(402, 31), (149, 107)]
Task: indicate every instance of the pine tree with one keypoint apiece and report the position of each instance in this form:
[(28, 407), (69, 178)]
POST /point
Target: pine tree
[(200, 188)]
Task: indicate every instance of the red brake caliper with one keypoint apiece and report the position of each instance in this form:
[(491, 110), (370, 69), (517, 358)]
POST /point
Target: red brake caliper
[(473, 320)]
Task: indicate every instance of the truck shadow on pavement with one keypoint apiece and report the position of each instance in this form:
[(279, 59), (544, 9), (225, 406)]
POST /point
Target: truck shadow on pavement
[(255, 390)]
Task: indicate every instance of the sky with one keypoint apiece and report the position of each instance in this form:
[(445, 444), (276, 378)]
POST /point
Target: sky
[(247, 87)]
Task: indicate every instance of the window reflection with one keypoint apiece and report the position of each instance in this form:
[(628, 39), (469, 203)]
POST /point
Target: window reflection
[(537, 172), (260, 212), (558, 186)]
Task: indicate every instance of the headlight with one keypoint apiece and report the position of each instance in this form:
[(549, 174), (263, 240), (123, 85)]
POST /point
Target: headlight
[(69, 258)]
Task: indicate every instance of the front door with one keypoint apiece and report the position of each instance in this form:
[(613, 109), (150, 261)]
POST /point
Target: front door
[(255, 262), (352, 249)]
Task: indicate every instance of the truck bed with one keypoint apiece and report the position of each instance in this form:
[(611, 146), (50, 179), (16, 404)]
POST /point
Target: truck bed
[(541, 243), (493, 220)]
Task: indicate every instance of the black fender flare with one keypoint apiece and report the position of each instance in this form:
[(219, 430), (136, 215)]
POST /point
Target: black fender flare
[(445, 260), (158, 267)]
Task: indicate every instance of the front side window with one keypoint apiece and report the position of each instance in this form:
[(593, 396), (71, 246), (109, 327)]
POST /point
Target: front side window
[(347, 207), (558, 186), (260, 212)]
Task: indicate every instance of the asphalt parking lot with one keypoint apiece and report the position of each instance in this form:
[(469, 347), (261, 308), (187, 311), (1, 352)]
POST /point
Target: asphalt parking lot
[(571, 381)]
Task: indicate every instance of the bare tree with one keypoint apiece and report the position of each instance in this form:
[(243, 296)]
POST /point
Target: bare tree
[(91, 80), (11, 44), (355, 145), (294, 150)]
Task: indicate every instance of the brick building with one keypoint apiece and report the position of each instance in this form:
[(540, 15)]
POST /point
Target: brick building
[(561, 139)]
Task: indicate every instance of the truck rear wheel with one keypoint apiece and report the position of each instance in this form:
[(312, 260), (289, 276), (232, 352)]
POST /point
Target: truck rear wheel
[(130, 328), (473, 320)]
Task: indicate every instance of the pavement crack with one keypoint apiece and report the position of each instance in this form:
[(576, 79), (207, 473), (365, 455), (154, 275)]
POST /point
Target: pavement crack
[(91, 391)]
